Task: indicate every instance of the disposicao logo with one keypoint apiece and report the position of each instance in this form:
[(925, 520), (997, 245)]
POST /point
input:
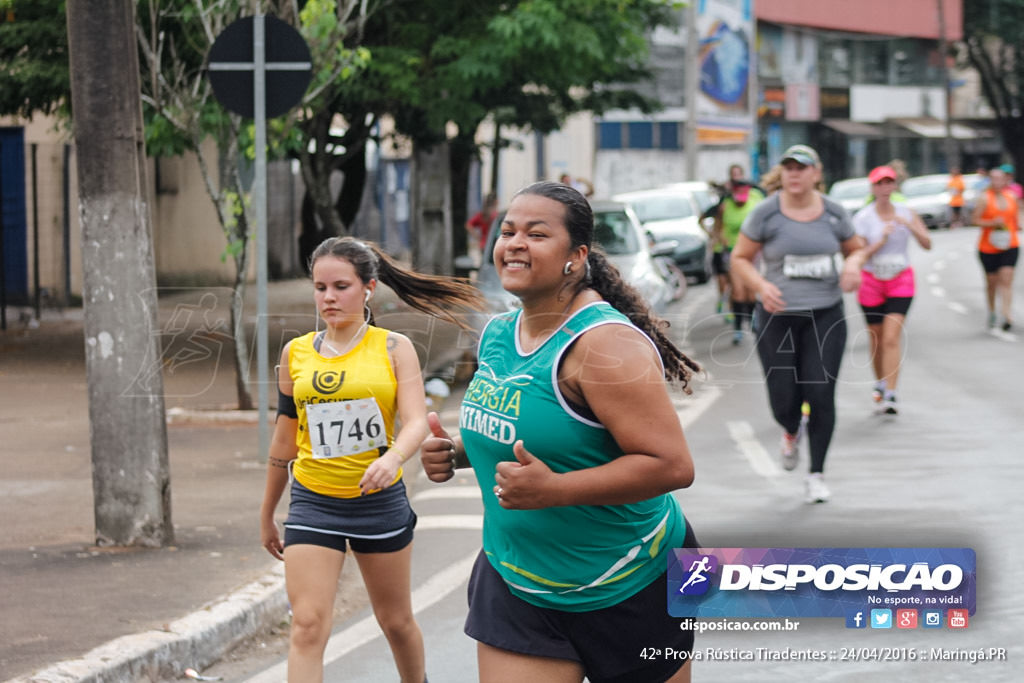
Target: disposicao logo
[(823, 582), (697, 579)]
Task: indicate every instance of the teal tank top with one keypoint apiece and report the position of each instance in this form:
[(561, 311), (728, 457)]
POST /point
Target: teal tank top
[(578, 558)]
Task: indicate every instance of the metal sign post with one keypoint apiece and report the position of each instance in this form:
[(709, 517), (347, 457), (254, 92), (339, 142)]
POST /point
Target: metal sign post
[(228, 75)]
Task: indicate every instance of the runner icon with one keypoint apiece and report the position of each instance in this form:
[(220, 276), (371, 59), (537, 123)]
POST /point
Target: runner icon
[(697, 570)]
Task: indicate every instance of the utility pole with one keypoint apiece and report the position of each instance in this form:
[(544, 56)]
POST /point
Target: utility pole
[(130, 472), (950, 147), (692, 75)]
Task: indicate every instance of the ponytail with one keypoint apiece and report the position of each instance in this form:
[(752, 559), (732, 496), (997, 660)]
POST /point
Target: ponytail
[(605, 279), (435, 295)]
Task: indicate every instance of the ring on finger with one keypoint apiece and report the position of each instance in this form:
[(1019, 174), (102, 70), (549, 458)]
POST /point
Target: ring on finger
[(498, 491)]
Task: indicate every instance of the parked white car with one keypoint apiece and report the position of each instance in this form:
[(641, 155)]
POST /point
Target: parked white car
[(851, 193), (927, 195), (672, 214)]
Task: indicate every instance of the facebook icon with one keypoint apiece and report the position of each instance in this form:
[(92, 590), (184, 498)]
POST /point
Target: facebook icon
[(856, 619)]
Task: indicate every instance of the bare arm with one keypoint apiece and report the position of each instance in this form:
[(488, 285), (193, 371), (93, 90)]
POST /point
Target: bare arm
[(854, 251), (741, 263), (615, 371), (282, 451), (920, 232), (411, 409)]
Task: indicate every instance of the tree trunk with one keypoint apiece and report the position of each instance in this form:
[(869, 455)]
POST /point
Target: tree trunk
[(431, 209), (352, 185), (463, 151), (131, 477), (236, 223)]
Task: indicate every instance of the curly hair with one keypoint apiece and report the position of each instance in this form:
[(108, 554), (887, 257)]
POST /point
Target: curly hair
[(605, 279), (434, 295)]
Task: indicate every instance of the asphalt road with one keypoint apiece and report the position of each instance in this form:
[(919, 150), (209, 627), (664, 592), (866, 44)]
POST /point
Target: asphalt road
[(944, 473)]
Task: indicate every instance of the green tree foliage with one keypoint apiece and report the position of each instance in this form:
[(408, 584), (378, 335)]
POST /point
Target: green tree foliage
[(34, 76), (994, 40), (528, 65)]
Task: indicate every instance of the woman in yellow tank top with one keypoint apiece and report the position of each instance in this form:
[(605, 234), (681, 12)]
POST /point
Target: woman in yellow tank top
[(999, 244), (340, 392)]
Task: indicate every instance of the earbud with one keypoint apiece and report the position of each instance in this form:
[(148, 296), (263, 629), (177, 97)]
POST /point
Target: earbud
[(369, 293)]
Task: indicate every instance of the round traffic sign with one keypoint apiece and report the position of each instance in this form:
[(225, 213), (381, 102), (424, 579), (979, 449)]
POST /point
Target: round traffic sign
[(288, 66)]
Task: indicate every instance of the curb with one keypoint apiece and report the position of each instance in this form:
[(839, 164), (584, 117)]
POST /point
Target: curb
[(197, 640)]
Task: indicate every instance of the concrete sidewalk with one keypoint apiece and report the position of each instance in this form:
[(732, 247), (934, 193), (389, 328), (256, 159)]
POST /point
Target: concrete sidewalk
[(76, 612)]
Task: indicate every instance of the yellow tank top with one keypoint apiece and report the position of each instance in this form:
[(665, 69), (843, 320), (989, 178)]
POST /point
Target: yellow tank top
[(346, 407)]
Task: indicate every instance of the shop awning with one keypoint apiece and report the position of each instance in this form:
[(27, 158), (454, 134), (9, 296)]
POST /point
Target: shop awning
[(854, 129), (933, 128)]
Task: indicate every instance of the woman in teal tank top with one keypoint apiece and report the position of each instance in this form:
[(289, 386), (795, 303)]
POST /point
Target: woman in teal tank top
[(572, 435)]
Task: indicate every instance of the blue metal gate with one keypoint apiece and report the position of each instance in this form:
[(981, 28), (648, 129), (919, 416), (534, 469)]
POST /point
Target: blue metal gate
[(12, 215)]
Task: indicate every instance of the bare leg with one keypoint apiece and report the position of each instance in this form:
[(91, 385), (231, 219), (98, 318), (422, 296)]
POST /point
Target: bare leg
[(874, 340), (387, 579), (311, 576), (1004, 283), (502, 666), (890, 350), (991, 281)]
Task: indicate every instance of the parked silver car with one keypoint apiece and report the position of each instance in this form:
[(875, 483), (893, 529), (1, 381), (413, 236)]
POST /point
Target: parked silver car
[(617, 230), (672, 214), (851, 193), (927, 195)]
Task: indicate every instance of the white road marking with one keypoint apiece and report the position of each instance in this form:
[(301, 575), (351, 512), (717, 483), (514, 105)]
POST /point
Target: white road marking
[(939, 265), (690, 408), (474, 522), (433, 590), (957, 307), (761, 462), (448, 492), (933, 278), (938, 292)]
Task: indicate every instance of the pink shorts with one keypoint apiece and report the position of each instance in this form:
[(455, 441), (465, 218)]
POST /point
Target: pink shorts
[(875, 292)]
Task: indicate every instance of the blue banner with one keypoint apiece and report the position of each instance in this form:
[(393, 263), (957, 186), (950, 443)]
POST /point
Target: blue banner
[(818, 582)]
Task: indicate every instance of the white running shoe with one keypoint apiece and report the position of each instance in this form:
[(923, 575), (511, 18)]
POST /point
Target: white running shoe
[(889, 406), (817, 492), (790, 450)]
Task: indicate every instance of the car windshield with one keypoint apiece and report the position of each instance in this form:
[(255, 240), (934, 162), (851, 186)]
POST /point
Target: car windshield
[(615, 233), (848, 189), (919, 187), (661, 207)]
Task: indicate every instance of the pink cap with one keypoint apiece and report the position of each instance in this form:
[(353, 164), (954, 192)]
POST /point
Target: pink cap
[(880, 173)]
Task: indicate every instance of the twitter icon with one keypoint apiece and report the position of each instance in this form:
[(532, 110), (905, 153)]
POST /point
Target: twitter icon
[(881, 618)]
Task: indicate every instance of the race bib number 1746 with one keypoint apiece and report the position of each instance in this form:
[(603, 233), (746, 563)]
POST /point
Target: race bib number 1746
[(344, 428)]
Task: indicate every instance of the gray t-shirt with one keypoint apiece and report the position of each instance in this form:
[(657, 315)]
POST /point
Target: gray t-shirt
[(800, 257)]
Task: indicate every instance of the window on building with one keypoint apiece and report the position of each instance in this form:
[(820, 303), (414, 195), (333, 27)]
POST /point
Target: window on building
[(835, 62), (641, 135), (872, 62), (668, 135), (609, 135)]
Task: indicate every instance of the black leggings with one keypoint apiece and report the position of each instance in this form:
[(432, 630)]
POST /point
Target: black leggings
[(800, 353)]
